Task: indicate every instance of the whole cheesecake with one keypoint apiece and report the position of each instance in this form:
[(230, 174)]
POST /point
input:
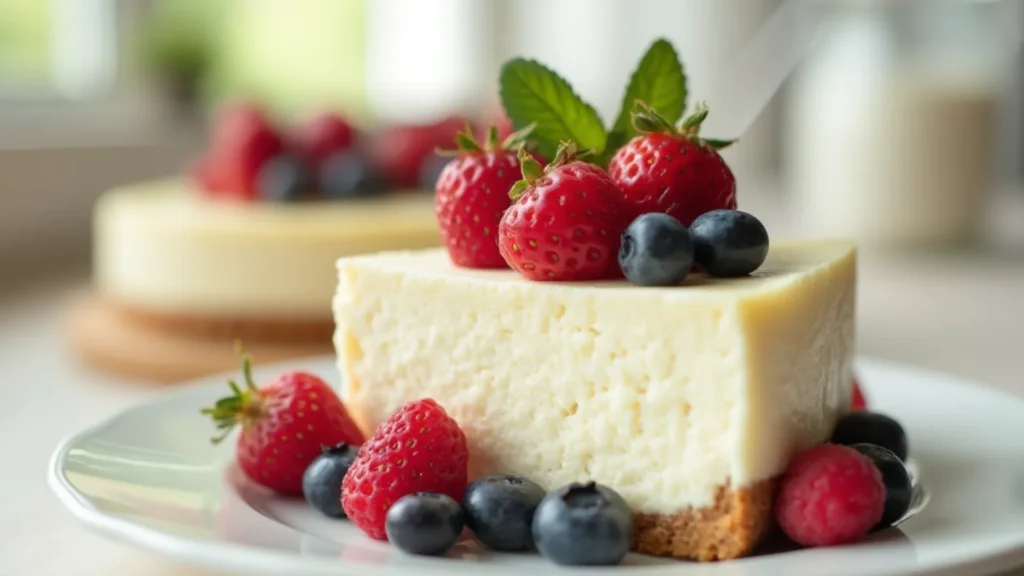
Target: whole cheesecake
[(169, 256), (689, 401)]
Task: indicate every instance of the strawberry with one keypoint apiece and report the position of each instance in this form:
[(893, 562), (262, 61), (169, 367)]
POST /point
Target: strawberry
[(285, 424), (672, 169), (472, 194), (232, 120), (322, 136), (243, 140), (566, 222), (419, 448), (400, 151)]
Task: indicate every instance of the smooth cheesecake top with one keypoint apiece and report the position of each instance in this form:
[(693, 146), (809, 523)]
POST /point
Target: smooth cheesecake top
[(786, 262)]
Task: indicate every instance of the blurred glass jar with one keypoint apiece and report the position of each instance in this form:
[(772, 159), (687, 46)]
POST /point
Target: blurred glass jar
[(893, 121)]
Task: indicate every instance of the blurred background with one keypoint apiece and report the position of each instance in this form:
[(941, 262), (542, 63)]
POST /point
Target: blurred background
[(902, 126)]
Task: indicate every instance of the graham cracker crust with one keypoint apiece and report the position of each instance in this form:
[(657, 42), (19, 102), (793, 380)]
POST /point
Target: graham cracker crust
[(267, 329), (730, 528)]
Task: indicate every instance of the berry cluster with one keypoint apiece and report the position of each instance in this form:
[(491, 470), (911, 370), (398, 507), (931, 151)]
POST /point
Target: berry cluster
[(574, 221), (252, 158), (408, 485), (647, 198), (408, 482), (839, 492)]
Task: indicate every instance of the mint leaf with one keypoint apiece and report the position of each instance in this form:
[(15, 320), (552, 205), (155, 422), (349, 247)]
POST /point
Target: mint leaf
[(659, 81), (534, 94)]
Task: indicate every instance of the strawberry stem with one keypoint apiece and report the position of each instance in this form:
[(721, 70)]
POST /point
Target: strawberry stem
[(492, 138), (532, 171), (691, 124), (517, 139), (646, 120), (466, 142), (242, 406), (567, 152)]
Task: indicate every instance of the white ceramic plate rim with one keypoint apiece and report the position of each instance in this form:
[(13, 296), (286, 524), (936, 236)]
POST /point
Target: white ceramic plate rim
[(254, 560)]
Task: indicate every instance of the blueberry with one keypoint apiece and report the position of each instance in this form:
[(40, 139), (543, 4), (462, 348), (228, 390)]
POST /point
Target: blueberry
[(285, 178), (431, 170), (871, 428), (583, 525), (728, 243), (499, 510), (349, 174), (424, 523), (898, 487), (656, 250), (321, 483)]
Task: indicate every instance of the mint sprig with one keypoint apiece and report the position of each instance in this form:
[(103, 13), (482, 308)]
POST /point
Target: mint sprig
[(660, 82), (535, 94)]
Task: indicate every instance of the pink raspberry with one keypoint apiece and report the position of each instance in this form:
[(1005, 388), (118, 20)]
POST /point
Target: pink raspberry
[(829, 495)]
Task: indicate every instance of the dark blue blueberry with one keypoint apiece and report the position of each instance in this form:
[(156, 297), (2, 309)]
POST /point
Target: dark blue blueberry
[(499, 510), (321, 483), (871, 428), (431, 170), (423, 523), (728, 243), (656, 250), (349, 174), (583, 525), (285, 178), (898, 486)]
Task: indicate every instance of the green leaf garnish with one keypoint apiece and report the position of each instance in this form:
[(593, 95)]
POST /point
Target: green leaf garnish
[(659, 81), (533, 93)]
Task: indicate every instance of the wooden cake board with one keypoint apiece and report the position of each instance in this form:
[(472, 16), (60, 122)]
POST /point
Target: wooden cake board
[(107, 341)]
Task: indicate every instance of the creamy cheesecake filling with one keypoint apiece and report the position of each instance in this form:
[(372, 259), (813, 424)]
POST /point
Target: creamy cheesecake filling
[(162, 247), (665, 394)]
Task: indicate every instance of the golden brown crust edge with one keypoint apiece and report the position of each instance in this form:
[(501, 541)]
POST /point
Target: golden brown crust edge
[(730, 528), (242, 328)]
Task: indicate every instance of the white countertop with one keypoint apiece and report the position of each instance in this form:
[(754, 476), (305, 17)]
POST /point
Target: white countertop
[(960, 313)]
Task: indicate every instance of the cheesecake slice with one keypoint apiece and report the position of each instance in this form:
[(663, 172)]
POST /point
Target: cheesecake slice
[(689, 401)]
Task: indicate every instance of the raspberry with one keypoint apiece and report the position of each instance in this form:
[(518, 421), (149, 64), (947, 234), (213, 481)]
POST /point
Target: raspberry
[(419, 448), (830, 495)]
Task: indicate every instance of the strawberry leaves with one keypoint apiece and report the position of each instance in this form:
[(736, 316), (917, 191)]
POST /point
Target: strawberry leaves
[(534, 94)]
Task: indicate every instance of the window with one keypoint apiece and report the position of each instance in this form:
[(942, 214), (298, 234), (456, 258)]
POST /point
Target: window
[(57, 49), (24, 45)]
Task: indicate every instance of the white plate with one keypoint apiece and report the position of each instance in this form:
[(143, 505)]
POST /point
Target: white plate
[(150, 477)]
